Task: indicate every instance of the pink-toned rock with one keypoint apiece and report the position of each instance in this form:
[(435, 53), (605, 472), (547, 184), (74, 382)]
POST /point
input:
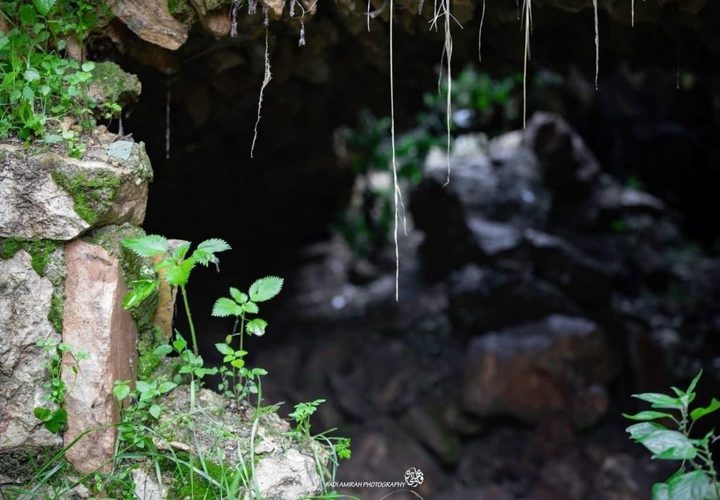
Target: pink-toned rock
[(166, 298), (94, 322)]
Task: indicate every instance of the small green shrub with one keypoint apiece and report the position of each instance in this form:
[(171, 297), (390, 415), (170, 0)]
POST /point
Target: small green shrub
[(673, 439)]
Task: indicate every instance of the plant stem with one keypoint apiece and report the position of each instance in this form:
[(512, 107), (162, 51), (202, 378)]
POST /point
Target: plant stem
[(183, 292)]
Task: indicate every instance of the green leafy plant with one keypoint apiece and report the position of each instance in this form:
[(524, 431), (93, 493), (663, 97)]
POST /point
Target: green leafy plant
[(54, 418), (673, 439), (174, 268), (239, 380), (39, 88)]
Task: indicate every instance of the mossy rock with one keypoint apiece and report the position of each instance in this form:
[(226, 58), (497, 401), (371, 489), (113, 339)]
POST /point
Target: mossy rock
[(111, 85)]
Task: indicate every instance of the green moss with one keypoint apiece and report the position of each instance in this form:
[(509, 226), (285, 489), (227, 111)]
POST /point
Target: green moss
[(92, 193), (9, 247), (39, 250), (201, 487), (111, 85), (55, 314)]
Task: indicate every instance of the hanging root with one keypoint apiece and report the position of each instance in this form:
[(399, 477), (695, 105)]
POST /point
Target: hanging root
[(167, 119), (397, 196), (632, 13), (482, 21), (266, 80), (527, 15), (597, 44), (442, 10)]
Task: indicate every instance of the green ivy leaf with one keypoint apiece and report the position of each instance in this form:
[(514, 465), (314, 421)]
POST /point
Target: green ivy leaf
[(265, 288), (238, 296), (698, 413), (42, 414), (225, 307), (256, 327), (147, 246), (57, 421), (139, 291)]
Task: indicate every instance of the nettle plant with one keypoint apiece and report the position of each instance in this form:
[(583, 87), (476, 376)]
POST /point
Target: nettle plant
[(673, 439), (239, 381)]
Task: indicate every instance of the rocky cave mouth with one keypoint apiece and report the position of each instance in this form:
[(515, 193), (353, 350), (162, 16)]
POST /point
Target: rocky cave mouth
[(396, 376)]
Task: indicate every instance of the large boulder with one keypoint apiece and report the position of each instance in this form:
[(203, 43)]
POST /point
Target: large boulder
[(25, 300), (46, 195), (538, 370), (95, 323)]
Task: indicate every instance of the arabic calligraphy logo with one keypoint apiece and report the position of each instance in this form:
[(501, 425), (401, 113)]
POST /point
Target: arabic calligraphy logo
[(414, 477)]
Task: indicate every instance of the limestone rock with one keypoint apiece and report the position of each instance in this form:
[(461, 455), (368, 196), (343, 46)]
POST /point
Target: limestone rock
[(95, 322), (287, 476), (151, 21), (46, 195), (537, 370), (147, 487), (24, 306)]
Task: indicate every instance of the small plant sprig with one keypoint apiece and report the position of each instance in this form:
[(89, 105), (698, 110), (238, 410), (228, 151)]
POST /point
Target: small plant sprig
[(301, 415), (242, 306), (176, 269), (55, 418), (697, 478)]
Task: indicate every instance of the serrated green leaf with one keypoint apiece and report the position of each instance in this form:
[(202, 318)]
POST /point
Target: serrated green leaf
[(256, 326), (647, 415), (225, 307), (205, 252), (178, 275), (238, 296), (700, 412), (155, 411), (250, 307), (180, 252), (660, 491), (142, 387), (265, 288), (660, 400), (31, 74), (44, 6), (147, 246), (139, 291), (669, 445)]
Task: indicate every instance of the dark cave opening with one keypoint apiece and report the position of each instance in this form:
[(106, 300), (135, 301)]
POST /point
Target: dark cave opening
[(642, 130)]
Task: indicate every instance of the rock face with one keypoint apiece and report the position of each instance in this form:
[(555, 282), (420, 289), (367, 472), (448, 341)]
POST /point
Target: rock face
[(46, 195), (288, 476), (95, 323), (538, 370), (24, 304)]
